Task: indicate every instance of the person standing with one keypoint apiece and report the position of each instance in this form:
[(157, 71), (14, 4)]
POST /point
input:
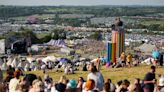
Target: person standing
[(123, 59), (129, 59), (161, 60), (97, 77), (149, 80)]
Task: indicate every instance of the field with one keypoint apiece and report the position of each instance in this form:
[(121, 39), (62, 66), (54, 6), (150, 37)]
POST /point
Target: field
[(42, 35), (115, 74), (148, 22), (41, 16)]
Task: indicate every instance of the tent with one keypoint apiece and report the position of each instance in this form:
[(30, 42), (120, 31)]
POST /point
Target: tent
[(58, 43), (49, 58), (35, 48), (21, 64), (68, 51), (10, 60), (4, 66), (15, 63), (148, 61), (146, 48), (30, 59), (27, 66)]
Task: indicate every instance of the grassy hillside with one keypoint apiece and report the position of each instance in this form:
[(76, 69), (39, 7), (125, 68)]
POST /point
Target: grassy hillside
[(115, 74)]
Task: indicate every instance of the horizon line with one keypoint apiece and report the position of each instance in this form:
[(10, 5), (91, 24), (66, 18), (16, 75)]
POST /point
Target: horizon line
[(133, 5)]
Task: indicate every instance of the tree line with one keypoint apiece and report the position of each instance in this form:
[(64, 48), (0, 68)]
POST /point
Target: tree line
[(98, 11)]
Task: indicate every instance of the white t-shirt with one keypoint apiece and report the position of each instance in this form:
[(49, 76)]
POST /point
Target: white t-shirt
[(13, 85)]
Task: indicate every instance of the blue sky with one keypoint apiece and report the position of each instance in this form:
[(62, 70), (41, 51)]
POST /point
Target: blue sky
[(82, 2)]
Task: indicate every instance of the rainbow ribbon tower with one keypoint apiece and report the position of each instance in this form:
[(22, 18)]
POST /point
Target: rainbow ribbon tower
[(117, 45)]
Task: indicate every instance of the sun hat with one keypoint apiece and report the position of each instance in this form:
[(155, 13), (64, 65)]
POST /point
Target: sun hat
[(72, 84)]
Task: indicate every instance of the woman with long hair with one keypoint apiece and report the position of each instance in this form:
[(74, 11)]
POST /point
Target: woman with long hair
[(97, 77)]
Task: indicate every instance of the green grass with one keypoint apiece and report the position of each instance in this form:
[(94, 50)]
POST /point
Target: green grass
[(56, 10), (148, 22), (115, 74), (43, 16), (42, 35)]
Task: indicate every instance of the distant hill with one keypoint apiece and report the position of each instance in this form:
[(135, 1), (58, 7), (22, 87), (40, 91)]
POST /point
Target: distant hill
[(98, 11)]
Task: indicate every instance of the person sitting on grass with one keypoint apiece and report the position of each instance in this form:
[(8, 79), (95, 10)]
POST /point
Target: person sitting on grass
[(80, 83), (89, 86), (124, 86), (72, 87), (112, 85), (106, 87), (136, 86), (14, 83), (160, 87), (59, 87)]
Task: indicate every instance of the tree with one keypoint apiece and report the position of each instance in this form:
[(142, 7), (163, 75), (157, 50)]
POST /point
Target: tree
[(161, 28), (29, 34), (58, 34), (45, 39), (54, 35), (154, 27), (96, 36)]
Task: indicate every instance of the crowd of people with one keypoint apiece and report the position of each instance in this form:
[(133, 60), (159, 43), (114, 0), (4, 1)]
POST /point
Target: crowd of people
[(13, 82), (129, 60)]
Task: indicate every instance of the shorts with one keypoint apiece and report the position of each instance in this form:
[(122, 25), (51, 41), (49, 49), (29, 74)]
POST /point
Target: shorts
[(123, 62)]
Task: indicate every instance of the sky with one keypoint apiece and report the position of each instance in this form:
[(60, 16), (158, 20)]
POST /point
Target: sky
[(82, 2)]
